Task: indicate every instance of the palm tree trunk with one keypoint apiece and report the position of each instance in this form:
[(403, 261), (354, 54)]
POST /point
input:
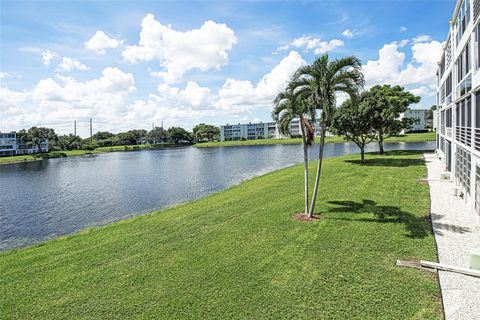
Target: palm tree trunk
[(305, 165), (319, 166)]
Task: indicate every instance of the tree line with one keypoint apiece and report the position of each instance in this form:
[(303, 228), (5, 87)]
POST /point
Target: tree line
[(366, 116), (158, 135)]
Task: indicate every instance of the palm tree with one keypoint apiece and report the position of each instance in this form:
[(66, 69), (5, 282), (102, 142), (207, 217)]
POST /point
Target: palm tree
[(320, 82), (289, 106)]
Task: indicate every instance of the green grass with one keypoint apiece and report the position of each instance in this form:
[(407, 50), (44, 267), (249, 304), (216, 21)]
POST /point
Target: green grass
[(71, 153), (238, 254), (412, 137)]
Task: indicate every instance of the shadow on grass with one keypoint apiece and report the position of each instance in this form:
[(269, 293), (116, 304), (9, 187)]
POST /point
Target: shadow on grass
[(386, 161), (417, 227)]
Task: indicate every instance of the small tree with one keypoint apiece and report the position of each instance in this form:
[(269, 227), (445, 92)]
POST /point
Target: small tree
[(157, 135), (386, 104), (320, 81), (178, 134), (69, 142), (203, 132), (37, 134), (287, 107), (353, 121)]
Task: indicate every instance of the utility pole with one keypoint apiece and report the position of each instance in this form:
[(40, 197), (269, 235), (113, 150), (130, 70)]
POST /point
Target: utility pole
[(162, 124), (75, 127), (153, 125), (91, 135)]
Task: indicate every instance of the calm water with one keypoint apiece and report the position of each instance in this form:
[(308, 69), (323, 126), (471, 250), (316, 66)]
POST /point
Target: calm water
[(45, 199)]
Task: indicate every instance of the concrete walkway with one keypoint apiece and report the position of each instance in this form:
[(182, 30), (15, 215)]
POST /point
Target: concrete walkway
[(457, 231)]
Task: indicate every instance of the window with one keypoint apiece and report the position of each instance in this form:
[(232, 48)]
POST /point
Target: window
[(477, 120), (462, 21), (476, 9), (448, 118), (448, 89), (477, 47), (463, 130), (463, 63), (477, 190), (462, 166), (448, 53)]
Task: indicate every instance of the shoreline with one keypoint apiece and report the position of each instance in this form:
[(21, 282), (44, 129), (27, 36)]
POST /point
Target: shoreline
[(74, 153), (411, 137), (414, 137)]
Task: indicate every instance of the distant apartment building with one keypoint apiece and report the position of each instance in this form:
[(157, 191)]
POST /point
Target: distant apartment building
[(420, 117), (257, 131), (458, 99), (10, 145)]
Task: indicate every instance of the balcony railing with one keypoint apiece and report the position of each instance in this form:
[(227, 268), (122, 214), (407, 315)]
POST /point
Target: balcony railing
[(448, 131), (477, 139), (464, 135)]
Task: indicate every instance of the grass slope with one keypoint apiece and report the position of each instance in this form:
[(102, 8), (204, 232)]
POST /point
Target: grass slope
[(412, 137), (238, 254)]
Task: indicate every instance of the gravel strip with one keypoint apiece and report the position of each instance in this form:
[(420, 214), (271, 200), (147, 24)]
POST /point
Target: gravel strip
[(457, 231)]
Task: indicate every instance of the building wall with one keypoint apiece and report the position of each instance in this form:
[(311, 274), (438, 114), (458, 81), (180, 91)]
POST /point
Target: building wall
[(458, 98), (256, 131), (10, 145), (419, 115)]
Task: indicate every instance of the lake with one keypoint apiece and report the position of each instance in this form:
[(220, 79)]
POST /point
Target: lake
[(45, 199)]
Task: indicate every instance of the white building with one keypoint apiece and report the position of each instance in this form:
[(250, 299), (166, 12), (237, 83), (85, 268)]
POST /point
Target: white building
[(10, 145), (257, 131), (420, 115), (458, 95)]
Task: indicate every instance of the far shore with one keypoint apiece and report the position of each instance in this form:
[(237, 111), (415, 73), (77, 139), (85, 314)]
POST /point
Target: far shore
[(411, 137), (72, 153)]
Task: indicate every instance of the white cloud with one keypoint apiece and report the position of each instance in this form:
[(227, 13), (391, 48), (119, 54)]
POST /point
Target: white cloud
[(173, 104), (238, 95), (57, 102), (417, 75), (347, 33), (308, 43), (235, 97), (48, 56), (104, 94), (403, 29), (424, 91), (11, 101), (204, 48), (331, 45), (422, 38), (100, 41), (276, 80), (4, 75), (386, 67), (69, 64)]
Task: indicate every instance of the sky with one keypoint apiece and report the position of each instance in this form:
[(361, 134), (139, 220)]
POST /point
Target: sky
[(133, 64)]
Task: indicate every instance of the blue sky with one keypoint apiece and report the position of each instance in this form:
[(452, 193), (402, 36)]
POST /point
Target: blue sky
[(199, 61)]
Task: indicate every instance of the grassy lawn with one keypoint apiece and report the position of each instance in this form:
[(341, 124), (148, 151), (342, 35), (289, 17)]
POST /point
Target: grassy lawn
[(238, 254), (412, 137), (71, 153)]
